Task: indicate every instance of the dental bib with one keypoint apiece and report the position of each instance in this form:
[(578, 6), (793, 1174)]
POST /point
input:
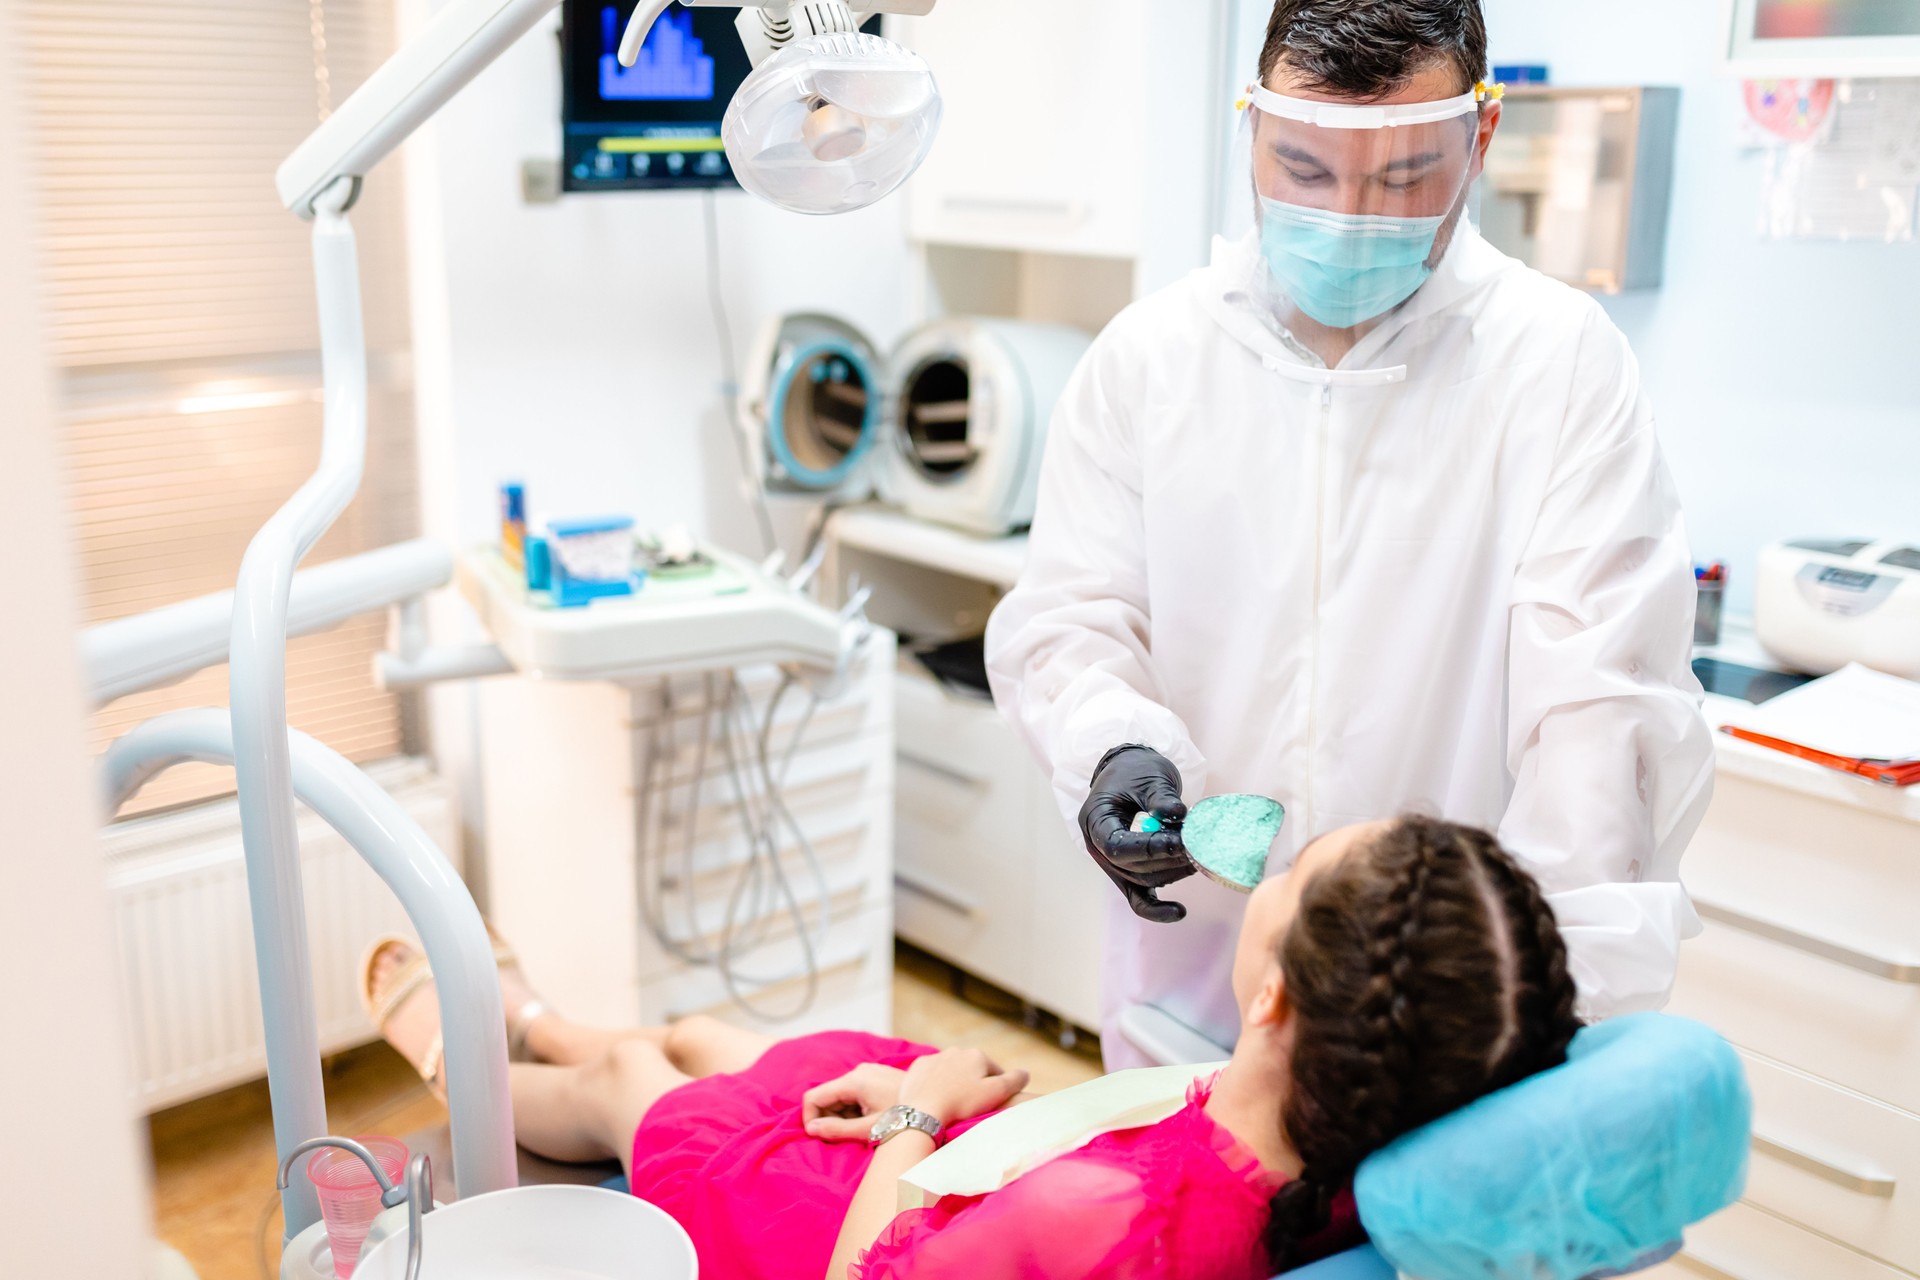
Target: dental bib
[(1021, 1139)]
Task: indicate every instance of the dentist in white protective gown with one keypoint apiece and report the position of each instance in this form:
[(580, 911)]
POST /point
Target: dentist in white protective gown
[(1367, 517)]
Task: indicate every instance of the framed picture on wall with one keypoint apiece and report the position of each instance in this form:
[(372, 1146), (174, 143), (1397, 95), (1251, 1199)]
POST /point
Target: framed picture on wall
[(1823, 38)]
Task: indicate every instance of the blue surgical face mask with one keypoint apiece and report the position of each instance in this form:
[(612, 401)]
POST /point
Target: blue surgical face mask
[(1344, 269)]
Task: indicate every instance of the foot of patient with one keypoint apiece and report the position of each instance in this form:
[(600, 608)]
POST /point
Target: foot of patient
[(549, 1037)]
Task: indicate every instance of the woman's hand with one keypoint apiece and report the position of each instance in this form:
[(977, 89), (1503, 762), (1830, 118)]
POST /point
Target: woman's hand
[(959, 1084), (844, 1110)]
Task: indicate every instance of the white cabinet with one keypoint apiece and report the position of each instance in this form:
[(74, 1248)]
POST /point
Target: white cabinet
[(1085, 127), (988, 874), (574, 772), (1809, 881), (1040, 142)]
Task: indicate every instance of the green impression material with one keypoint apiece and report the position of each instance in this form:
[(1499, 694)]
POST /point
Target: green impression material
[(1228, 838)]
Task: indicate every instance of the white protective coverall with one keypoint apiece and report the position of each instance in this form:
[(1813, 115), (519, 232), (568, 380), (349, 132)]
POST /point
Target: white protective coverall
[(1450, 576)]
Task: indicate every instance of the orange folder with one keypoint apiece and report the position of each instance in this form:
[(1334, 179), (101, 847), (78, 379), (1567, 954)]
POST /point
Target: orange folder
[(1898, 773)]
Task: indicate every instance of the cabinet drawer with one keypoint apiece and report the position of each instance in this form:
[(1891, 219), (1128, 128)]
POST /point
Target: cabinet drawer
[(1745, 1243), (962, 867), (1815, 1014), (1846, 872), (1838, 1163), (965, 906), (857, 959)]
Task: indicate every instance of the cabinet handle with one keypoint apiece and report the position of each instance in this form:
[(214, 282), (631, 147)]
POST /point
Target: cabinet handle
[(1878, 966), (1065, 211), (948, 898), (1867, 1184)]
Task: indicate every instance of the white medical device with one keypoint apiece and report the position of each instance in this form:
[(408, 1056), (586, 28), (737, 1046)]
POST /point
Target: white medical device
[(1822, 603), (949, 427)]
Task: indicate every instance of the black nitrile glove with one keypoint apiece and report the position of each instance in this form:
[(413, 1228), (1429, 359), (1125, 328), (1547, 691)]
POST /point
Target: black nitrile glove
[(1130, 780)]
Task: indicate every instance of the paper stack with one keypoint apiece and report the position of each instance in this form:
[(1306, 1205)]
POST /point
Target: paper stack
[(1857, 719)]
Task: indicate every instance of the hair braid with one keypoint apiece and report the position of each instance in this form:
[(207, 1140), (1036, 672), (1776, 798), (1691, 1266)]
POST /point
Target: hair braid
[(1373, 1072), (1547, 994), (1387, 1016), (1423, 969)]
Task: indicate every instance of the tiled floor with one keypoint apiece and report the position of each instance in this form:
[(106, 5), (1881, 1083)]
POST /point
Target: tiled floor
[(213, 1159)]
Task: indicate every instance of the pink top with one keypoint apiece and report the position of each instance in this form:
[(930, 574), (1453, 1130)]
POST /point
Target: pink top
[(728, 1157), (1179, 1200)]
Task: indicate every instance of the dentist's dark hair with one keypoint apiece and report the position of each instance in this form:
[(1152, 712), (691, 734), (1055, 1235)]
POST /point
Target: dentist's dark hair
[(1369, 48), (1424, 970)]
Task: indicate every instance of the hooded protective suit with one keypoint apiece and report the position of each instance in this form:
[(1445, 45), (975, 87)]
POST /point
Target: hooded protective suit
[(1450, 575)]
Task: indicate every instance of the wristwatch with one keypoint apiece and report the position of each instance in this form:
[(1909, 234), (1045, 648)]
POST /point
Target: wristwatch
[(896, 1120)]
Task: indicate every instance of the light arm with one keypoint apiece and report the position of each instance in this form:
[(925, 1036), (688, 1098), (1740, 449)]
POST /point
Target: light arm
[(648, 12), (461, 41)]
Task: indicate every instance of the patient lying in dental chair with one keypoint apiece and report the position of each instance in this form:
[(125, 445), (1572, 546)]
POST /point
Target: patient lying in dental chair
[(1401, 970)]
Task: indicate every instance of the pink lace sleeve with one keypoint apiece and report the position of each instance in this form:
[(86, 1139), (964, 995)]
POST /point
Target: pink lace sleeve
[(1069, 1218), (1180, 1200), (1074, 1219)]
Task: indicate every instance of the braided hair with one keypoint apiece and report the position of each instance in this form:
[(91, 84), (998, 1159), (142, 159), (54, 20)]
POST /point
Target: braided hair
[(1424, 970)]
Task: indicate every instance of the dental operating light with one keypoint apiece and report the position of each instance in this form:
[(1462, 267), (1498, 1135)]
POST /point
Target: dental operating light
[(830, 120)]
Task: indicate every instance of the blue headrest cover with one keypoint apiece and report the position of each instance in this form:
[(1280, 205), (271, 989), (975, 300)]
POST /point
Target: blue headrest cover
[(1583, 1169)]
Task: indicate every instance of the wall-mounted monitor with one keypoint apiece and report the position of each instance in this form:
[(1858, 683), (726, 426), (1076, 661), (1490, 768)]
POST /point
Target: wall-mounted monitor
[(654, 125), (1824, 38)]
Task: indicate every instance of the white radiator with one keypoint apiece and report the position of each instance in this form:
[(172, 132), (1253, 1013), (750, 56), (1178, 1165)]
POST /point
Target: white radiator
[(183, 940)]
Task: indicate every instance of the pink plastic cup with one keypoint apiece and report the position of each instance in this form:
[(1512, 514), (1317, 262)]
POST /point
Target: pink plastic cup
[(350, 1196)]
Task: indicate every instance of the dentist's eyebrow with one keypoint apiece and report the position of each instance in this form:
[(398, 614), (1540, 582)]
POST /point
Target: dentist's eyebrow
[(1298, 156)]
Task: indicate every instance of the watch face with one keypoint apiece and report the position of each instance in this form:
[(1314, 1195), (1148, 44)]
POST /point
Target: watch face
[(896, 1119)]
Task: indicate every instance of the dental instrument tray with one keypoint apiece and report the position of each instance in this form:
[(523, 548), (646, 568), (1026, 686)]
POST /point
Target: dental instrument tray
[(736, 615)]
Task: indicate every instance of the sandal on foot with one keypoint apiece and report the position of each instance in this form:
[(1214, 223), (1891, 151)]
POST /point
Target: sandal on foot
[(414, 973), (380, 1005), (521, 1020)]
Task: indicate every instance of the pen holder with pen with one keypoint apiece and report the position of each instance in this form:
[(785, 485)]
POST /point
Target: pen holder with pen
[(1711, 591)]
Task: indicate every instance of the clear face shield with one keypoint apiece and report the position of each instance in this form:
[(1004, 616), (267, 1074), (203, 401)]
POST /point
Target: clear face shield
[(1356, 201)]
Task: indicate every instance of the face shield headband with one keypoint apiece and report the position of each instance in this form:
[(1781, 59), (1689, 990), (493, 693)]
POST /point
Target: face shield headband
[(1353, 196)]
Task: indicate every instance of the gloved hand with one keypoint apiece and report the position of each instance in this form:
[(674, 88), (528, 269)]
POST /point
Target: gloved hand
[(1130, 780)]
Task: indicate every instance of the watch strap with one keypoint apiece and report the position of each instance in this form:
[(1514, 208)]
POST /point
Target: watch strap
[(897, 1120)]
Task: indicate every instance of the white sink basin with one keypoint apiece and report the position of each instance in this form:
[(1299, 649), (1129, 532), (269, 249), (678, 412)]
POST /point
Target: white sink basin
[(541, 1233)]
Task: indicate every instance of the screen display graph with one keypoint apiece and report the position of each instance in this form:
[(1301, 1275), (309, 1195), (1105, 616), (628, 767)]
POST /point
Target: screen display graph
[(673, 65), (654, 126)]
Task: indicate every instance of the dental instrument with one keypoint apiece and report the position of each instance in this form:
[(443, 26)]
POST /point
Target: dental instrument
[(1228, 838)]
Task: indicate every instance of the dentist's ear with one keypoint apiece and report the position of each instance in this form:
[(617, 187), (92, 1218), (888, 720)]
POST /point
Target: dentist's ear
[(1488, 123)]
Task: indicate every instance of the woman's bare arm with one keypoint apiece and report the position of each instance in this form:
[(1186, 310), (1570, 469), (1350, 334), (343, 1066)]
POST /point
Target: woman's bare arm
[(877, 1198), (951, 1086)]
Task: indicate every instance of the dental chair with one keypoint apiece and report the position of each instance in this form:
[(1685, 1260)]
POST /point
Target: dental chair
[(1590, 1170)]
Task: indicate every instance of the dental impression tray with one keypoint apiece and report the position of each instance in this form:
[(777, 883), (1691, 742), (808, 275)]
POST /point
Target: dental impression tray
[(1228, 837)]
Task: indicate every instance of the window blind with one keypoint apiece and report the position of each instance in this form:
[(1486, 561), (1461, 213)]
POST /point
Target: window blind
[(182, 323)]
